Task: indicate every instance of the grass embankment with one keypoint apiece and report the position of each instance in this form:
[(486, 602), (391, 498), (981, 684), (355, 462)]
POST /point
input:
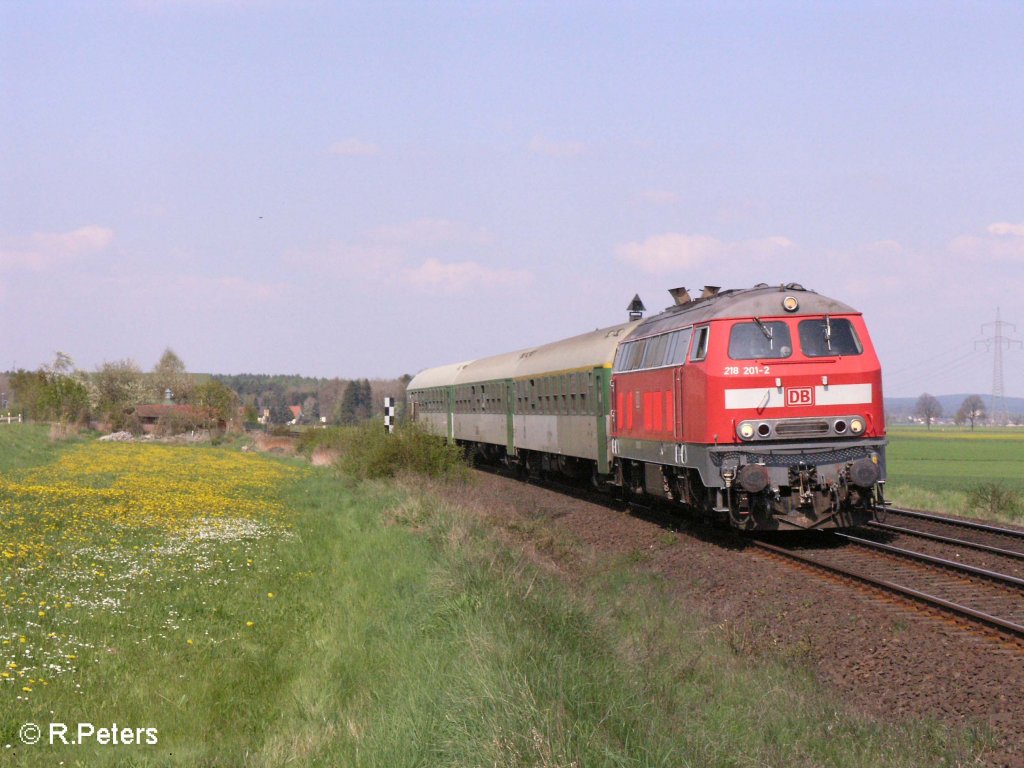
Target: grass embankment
[(258, 612), (978, 473)]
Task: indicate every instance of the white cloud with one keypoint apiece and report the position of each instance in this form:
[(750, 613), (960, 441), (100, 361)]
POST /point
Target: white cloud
[(41, 251), (541, 146), (353, 148), (434, 275), (1004, 242), (673, 250), (379, 253), (1005, 228)]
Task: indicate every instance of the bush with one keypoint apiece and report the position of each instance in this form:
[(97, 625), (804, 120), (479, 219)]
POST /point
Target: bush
[(993, 499), (175, 423), (367, 451), (330, 438)]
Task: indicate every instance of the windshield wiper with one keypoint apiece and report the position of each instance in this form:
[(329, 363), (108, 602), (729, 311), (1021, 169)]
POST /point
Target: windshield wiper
[(766, 331), (828, 332)]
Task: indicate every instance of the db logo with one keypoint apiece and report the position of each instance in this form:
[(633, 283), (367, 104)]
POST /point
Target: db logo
[(800, 396)]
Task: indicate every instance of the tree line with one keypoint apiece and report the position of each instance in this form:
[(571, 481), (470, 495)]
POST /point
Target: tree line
[(110, 395), (971, 411)]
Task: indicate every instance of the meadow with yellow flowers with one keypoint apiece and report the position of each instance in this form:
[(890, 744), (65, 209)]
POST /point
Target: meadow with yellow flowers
[(208, 606), (133, 578)]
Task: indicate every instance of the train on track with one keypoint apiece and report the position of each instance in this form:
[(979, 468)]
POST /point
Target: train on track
[(760, 407)]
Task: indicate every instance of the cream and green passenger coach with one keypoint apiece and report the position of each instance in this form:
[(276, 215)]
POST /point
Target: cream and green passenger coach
[(544, 404)]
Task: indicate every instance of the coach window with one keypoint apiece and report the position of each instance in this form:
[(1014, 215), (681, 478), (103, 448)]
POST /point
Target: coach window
[(700, 346), (760, 340), (826, 337)]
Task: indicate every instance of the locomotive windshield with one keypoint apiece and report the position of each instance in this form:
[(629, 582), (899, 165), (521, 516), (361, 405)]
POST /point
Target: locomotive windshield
[(759, 339), (825, 336)]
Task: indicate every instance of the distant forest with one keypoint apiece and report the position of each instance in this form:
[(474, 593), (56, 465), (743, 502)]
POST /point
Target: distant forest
[(318, 397)]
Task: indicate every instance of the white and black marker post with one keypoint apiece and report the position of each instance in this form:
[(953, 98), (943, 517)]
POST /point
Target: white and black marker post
[(389, 414)]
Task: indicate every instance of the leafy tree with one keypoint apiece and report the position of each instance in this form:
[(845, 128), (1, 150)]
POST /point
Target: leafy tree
[(972, 409), (216, 397), (55, 392), (169, 373), (118, 387), (928, 407), (26, 388)]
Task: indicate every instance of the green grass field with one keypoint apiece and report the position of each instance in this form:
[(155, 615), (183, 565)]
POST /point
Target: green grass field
[(260, 612), (938, 469)]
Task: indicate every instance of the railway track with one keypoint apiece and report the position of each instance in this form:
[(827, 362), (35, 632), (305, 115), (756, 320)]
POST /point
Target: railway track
[(977, 596), (997, 540)]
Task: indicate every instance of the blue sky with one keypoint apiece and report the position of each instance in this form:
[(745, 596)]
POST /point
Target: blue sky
[(368, 189)]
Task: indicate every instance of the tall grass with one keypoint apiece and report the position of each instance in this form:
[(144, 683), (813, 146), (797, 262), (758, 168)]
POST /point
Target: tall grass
[(441, 646)]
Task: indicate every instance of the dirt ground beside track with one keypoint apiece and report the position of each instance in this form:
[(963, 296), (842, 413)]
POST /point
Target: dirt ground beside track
[(884, 658)]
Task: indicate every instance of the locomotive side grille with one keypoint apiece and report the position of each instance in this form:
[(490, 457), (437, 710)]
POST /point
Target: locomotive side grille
[(801, 428)]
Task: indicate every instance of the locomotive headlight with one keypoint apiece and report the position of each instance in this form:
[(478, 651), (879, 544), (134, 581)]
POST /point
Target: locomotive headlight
[(746, 430), (790, 304), (856, 426)]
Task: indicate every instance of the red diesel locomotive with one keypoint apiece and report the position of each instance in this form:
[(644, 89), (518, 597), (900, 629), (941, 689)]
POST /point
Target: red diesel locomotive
[(761, 407)]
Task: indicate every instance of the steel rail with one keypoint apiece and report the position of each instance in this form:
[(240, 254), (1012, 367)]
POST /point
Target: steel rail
[(948, 540), (1011, 532), (951, 565), (994, 622)]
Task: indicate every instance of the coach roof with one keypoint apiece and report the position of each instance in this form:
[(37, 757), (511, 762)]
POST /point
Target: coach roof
[(441, 376), (589, 350)]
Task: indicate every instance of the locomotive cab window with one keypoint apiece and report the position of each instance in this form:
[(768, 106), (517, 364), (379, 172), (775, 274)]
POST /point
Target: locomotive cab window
[(760, 340), (826, 337), (700, 346)]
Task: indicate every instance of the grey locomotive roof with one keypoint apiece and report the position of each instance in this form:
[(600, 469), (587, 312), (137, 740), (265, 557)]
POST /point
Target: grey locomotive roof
[(759, 301)]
